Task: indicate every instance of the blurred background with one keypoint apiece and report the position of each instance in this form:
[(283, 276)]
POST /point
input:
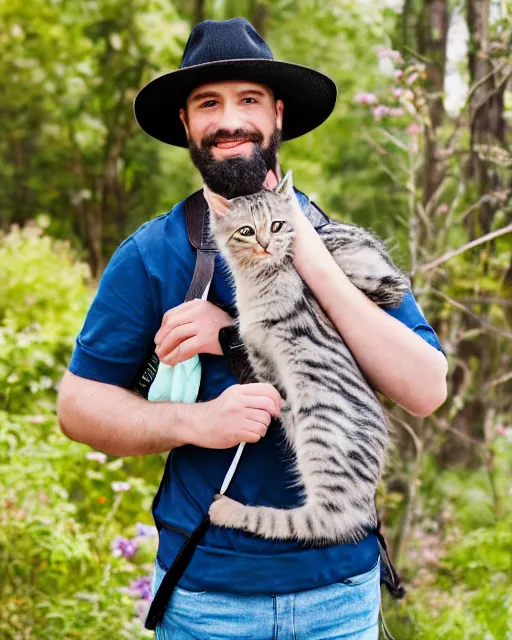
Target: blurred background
[(418, 149)]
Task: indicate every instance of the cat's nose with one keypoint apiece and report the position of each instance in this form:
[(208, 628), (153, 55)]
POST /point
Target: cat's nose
[(264, 243)]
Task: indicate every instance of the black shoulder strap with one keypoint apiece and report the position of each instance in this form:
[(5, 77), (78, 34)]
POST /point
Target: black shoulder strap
[(196, 211)]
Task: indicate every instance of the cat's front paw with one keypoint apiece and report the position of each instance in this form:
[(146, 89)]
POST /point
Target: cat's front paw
[(225, 512)]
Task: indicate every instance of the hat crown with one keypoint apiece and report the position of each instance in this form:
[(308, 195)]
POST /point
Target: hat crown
[(212, 41)]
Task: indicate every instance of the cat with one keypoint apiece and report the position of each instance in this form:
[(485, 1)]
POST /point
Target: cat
[(333, 421)]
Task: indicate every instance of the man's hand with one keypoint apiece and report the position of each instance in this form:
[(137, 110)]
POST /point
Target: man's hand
[(191, 328), (241, 413)]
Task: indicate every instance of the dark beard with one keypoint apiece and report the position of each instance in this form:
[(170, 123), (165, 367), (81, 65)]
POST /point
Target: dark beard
[(237, 176)]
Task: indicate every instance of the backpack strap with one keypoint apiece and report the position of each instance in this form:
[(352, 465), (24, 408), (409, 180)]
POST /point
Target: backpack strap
[(199, 237), (196, 214)]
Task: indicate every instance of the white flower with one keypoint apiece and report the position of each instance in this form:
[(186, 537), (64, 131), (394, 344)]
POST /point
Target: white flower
[(120, 486), (96, 456)]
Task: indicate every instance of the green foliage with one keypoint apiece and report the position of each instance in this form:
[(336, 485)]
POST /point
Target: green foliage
[(459, 576), (42, 304), (60, 512)]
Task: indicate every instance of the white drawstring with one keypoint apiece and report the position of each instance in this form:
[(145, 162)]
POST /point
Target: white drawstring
[(234, 463), (232, 468)]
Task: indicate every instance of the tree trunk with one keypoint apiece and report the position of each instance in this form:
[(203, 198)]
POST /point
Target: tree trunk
[(487, 123), (259, 15), (432, 32), (199, 11)]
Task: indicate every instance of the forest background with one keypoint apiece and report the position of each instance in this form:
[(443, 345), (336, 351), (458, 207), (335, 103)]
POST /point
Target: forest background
[(417, 149)]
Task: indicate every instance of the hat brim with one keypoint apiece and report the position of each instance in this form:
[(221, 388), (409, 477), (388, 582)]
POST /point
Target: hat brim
[(309, 96)]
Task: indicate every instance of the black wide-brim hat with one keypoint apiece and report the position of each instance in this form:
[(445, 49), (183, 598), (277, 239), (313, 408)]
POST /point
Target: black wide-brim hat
[(233, 50)]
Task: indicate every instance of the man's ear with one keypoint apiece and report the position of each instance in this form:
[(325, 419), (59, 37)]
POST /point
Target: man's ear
[(184, 119), (218, 204), (286, 184)]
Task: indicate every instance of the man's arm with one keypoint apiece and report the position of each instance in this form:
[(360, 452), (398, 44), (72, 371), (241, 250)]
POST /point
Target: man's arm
[(120, 423), (399, 363)]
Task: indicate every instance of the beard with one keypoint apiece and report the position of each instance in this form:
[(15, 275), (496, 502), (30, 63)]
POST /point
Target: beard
[(240, 175)]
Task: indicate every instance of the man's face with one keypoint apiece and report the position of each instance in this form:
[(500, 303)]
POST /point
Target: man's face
[(234, 131)]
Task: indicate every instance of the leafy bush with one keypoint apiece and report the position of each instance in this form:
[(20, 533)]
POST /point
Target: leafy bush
[(65, 563), (460, 574)]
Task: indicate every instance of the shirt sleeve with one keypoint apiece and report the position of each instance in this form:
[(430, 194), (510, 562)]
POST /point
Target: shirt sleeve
[(410, 313), (119, 329)]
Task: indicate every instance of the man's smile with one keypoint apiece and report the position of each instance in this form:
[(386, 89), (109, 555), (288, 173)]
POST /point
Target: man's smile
[(233, 146)]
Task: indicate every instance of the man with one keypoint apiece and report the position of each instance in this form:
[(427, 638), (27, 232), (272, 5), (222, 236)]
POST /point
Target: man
[(231, 104)]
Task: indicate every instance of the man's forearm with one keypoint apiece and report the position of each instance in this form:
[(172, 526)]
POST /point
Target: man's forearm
[(399, 363), (118, 422)]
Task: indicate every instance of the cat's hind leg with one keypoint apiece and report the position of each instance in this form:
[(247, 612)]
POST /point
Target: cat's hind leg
[(364, 259)]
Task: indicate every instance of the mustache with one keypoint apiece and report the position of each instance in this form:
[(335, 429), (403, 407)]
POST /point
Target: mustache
[(223, 134)]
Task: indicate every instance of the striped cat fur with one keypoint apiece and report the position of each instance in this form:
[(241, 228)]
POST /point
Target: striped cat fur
[(334, 424)]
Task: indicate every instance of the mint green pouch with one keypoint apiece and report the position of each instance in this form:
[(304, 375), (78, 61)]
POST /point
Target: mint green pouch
[(177, 384)]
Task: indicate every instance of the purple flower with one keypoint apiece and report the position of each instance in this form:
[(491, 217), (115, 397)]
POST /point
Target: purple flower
[(123, 547), (380, 111), (365, 98), (142, 587), (146, 530), (142, 608)]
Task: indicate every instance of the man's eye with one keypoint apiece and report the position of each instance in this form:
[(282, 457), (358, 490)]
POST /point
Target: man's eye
[(209, 103), (253, 100), (246, 231), (276, 226)]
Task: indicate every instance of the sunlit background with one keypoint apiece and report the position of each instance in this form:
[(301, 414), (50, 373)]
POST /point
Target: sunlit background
[(417, 149)]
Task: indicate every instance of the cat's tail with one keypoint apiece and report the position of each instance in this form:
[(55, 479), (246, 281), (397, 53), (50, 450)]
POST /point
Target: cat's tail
[(327, 522)]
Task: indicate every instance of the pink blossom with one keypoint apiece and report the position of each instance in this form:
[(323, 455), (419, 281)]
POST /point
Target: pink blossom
[(414, 129), (380, 111), (96, 456), (500, 430), (365, 98), (413, 77), (390, 53), (398, 92), (396, 111), (398, 74), (415, 147), (442, 209)]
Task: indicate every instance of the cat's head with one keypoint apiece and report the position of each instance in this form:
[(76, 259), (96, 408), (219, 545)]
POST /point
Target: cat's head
[(255, 230)]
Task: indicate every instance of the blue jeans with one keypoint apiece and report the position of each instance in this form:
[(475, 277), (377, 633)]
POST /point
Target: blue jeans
[(348, 610)]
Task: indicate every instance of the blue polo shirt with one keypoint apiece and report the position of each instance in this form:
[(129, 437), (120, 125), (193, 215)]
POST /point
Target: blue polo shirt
[(149, 273)]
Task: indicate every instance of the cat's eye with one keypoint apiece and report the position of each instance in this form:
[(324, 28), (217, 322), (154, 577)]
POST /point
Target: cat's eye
[(276, 226), (246, 231)]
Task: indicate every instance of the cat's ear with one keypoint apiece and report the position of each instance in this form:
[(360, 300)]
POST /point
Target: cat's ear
[(286, 184), (217, 203)]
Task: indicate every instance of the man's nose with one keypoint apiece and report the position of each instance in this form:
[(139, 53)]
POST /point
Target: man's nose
[(231, 118)]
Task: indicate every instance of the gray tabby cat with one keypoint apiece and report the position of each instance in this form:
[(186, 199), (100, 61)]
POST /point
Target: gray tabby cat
[(333, 420)]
